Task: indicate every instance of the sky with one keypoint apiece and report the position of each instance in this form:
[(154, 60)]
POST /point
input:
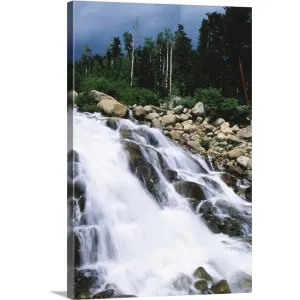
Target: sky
[(96, 23)]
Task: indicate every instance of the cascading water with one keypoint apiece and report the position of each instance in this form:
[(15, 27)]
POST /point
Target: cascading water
[(139, 242)]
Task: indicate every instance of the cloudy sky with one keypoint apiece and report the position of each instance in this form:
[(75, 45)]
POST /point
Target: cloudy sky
[(96, 23)]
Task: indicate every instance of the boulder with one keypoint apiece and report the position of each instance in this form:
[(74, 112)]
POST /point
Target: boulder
[(235, 128), (202, 274), (199, 120), (98, 96), (148, 109), (225, 128), (112, 123), (221, 136), (245, 133), (245, 162), (176, 134), (178, 109), (201, 285), (171, 175), (182, 118), (189, 189), (168, 120), (229, 179), (219, 122), (196, 146), (188, 125), (221, 287), (139, 113), (112, 108), (178, 126), (156, 123), (198, 110), (84, 281), (235, 153), (151, 116)]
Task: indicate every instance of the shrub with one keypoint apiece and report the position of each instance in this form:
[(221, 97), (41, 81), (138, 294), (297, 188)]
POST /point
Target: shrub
[(188, 102), (205, 144), (86, 102)]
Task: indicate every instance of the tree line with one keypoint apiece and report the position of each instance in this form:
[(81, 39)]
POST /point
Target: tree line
[(169, 66)]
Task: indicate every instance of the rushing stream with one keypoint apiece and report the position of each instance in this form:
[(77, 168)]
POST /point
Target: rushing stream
[(142, 241)]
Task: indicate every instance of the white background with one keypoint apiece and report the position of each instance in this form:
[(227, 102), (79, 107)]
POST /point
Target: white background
[(34, 142)]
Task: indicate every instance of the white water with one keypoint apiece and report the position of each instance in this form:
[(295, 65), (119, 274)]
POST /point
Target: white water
[(128, 237)]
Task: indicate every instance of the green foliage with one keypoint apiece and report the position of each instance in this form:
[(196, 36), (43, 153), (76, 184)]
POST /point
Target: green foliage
[(217, 106), (205, 143), (188, 102), (86, 102)]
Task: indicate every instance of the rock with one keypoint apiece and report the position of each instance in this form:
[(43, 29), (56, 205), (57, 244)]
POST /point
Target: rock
[(229, 179), (105, 294), (196, 145), (171, 175), (232, 139), (201, 285), (168, 120), (179, 126), (148, 109), (201, 273), (175, 134), (113, 108), (156, 123), (178, 109), (141, 168), (151, 116), (245, 133), (221, 136), (139, 113), (185, 110), (219, 122), (98, 96), (248, 194), (190, 190), (210, 134), (235, 153), (182, 118), (229, 147), (199, 120), (198, 110), (182, 282), (225, 128), (170, 112), (207, 120), (235, 128), (236, 170), (112, 123), (221, 287), (248, 175), (188, 125), (209, 128), (84, 281), (245, 162)]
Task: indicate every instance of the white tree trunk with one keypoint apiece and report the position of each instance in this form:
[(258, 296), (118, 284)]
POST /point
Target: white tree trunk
[(171, 69), (132, 62), (167, 71)]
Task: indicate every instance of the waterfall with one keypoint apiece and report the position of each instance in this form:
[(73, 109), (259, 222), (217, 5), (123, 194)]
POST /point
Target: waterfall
[(140, 239)]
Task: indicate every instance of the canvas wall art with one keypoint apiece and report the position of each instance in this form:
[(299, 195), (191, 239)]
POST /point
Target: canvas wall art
[(159, 150)]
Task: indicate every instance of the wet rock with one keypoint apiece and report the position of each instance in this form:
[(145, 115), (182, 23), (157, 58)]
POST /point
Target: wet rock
[(84, 281), (221, 287), (105, 294), (182, 282), (171, 175), (141, 168), (235, 170), (201, 273), (229, 179), (201, 285), (126, 133), (112, 123), (189, 189), (248, 194)]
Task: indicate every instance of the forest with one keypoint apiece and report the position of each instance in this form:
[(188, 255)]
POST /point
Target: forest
[(168, 69)]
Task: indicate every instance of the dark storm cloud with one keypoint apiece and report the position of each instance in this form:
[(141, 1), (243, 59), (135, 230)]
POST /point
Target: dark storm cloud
[(96, 23)]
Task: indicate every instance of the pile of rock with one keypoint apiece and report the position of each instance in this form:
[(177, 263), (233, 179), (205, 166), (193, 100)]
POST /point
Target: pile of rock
[(229, 146)]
